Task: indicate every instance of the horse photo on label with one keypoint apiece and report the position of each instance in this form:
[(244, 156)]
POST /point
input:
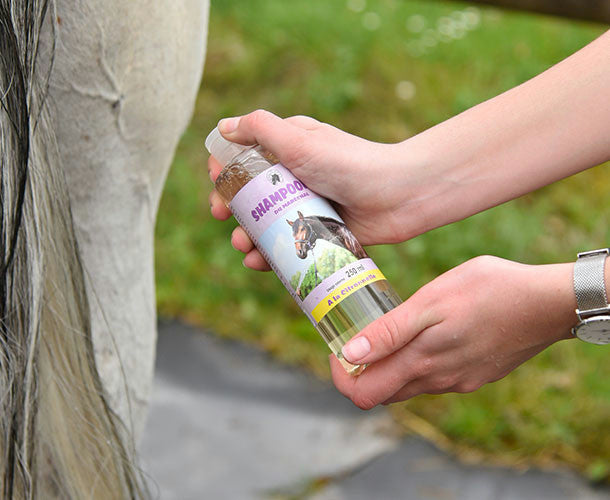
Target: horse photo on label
[(338, 247), (307, 230)]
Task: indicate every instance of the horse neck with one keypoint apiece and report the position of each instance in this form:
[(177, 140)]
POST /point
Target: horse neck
[(325, 226)]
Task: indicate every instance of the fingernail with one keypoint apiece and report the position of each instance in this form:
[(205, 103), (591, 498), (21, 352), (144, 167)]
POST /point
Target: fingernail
[(356, 349), (228, 125)]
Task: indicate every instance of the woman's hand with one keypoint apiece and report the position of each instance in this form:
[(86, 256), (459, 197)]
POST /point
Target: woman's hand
[(364, 180), (543, 130), (470, 326)]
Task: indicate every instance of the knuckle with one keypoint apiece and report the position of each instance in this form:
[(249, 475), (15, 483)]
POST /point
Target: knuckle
[(257, 118), (304, 119), (442, 383), (483, 264), (423, 368), (483, 260), (389, 333), (467, 386), (477, 270), (363, 401), (296, 155)]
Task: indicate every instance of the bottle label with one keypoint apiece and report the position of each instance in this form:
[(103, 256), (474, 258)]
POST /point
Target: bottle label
[(304, 241)]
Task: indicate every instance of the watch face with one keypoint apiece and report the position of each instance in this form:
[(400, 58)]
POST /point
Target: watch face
[(595, 330)]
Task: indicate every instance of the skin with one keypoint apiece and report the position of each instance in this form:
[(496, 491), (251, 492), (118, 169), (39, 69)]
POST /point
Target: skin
[(475, 323)]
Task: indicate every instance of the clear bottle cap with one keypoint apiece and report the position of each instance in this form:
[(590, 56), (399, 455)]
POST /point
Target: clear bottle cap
[(221, 149)]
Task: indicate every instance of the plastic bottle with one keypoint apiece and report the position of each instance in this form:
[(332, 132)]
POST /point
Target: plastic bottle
[(305, 242)]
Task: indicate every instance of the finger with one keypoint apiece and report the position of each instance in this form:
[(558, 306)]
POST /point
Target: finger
[(424, 386), (217, 207), (254, 260), (416, 388), (450, 378), (241, 241), (344, 382), (390, 332), (380, 381), (214, 168), (281, 137)]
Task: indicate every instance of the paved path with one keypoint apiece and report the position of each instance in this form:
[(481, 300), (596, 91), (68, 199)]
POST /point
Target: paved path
[(229, 423)]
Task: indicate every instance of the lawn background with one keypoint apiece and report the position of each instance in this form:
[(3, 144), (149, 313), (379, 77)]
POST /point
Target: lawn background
[(386, 70)]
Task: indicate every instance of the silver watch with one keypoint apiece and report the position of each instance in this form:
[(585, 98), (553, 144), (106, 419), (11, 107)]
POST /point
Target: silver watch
[(589, 286)]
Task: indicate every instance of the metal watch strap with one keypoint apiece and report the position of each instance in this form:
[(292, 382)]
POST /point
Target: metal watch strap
[(589, 283)]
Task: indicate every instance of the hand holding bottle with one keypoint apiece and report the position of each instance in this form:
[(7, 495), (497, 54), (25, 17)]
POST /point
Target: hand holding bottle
[(477, 322), (468, 327), (359, 176), (550, 127)]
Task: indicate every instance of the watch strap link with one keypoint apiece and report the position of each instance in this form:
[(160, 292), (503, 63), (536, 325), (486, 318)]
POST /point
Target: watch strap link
[(589, 283)]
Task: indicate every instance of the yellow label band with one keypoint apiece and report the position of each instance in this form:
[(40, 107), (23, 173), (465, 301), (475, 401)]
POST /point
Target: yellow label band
[(343, 291)]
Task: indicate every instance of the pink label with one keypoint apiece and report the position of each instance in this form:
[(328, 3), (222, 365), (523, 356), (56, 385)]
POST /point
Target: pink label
[(304, 241), (265, 197)]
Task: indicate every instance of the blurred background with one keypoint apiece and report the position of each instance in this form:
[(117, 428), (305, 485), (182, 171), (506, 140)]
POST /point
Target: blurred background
[(385, 70)]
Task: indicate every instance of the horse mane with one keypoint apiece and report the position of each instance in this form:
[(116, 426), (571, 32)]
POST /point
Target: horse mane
[(340, 231), (58, 436), (324, 219)]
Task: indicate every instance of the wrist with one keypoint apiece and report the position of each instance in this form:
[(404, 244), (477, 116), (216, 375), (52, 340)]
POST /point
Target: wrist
[(554, 286), (449, 176), (427, 196)]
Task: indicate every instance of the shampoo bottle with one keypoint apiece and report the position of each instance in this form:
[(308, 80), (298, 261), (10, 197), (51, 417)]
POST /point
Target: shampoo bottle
[(305, 242)]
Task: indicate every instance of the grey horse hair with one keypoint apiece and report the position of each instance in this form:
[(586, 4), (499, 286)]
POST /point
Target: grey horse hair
[(58, 436)]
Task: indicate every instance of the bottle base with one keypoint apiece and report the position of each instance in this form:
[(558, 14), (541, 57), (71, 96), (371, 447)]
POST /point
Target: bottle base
[(353, 370), (352, 315)]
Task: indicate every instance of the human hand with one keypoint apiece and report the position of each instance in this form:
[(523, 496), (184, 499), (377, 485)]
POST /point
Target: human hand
[(470, 326), (541, 131), (360, 177)]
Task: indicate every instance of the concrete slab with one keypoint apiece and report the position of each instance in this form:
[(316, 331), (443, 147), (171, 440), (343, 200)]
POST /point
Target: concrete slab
[(419, 471), (227, 422)]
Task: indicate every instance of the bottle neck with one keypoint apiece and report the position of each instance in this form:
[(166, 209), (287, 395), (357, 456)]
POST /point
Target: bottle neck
[(247, 157), (240, 170)]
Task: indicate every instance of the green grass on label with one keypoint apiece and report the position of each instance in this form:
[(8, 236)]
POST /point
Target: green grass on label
[(386, 70)]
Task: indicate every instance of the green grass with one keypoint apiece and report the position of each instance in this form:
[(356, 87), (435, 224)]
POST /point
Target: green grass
[(317, 58)]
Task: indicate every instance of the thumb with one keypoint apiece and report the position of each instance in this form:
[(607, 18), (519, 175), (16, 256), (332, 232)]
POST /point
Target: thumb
[(385, 335), (283, 138)]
